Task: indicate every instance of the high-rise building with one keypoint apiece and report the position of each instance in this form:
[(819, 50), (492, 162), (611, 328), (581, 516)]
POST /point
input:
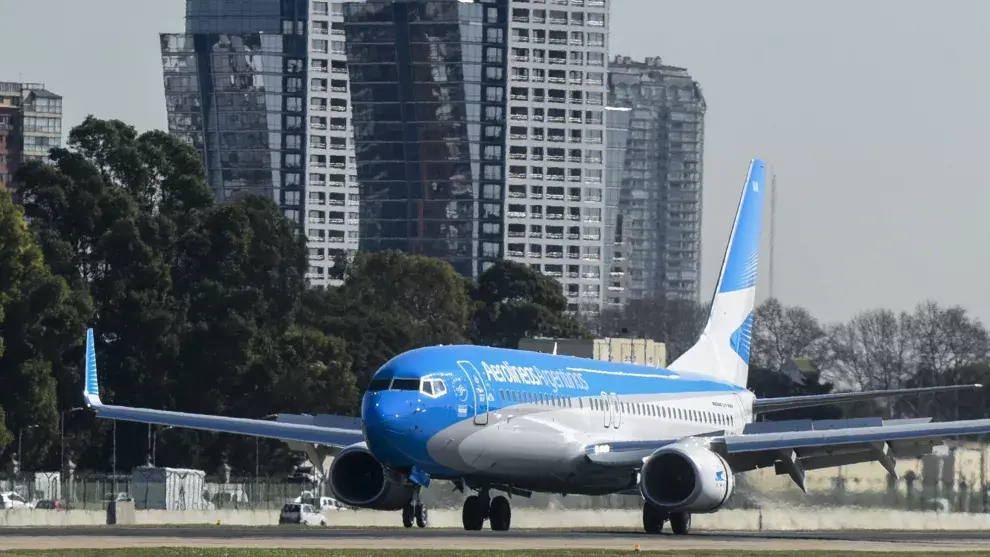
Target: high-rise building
[(428, 88), (660, 200), (30, 126), (435, 84), (260, 88), (555, 212)]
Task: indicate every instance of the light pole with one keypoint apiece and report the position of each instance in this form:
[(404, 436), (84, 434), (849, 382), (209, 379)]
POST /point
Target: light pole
[(62, 437), (20, 446), (257, 459), (113, 460)]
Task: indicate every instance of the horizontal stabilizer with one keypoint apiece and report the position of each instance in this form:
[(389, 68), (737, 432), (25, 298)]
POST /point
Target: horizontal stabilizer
[(791, 402)]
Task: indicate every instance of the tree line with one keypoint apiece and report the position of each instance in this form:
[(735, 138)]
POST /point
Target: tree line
[(203, 307), (200, 306)]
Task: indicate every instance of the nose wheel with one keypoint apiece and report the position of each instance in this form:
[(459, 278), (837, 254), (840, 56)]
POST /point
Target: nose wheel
[(479, 507), (415, 512)]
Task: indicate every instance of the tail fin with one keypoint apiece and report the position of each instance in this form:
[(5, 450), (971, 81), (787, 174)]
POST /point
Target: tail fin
[(91, 388), (722, 352)]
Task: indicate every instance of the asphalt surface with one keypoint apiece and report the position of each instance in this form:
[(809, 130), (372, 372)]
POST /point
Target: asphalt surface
[(316, 537)]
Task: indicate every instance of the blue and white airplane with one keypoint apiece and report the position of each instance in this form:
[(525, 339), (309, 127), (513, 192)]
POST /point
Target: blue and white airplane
[(518, 422)]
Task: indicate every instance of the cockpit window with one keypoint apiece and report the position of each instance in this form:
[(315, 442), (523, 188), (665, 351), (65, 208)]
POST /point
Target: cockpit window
[(405, 384), (433, 387), (379, 384)]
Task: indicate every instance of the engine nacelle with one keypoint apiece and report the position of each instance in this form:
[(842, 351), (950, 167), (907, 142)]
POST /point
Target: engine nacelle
[(686, 477), (359, 480)]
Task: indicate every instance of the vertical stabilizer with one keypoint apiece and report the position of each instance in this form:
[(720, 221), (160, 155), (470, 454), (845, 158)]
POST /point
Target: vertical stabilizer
[(722, 352)]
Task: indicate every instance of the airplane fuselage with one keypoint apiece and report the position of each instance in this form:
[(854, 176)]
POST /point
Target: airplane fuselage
[(526, 419)]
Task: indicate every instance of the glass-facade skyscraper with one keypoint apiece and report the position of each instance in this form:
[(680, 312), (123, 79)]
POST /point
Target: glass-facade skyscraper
[(260, 88), (428, 88)]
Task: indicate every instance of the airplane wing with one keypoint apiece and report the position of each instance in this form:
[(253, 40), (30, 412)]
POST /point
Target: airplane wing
[(333, 431), (809, 445), (790, 402)]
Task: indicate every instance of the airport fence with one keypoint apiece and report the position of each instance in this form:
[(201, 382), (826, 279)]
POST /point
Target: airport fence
[(155, 488)]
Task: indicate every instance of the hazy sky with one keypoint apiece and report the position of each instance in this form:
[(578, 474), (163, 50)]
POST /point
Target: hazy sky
[(874, 115)]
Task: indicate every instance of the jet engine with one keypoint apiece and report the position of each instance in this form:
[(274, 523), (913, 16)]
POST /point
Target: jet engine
[(359, 480), (686, 477)]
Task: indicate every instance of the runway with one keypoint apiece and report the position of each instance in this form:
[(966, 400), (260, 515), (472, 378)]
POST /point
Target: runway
[(331, 538)]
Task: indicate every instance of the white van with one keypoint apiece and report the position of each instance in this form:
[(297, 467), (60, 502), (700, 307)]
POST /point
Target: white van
[(322, 503)]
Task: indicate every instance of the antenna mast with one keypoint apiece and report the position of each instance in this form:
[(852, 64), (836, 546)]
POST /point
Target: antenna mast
[(773, 221)]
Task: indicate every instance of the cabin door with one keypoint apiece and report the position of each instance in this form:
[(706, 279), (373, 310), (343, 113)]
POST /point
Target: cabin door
[(480, 390)]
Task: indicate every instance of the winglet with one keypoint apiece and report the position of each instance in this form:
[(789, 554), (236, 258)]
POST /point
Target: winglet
[(91, 387)]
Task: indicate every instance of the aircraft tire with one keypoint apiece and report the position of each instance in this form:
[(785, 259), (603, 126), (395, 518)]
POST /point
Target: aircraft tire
[(408, 514), (422, 516), (501, 514), (653, 519), (680, 523), (473, 515)]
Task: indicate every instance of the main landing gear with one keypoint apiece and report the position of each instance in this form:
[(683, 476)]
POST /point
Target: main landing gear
[(415, 511), (654, 518), (479, 507)]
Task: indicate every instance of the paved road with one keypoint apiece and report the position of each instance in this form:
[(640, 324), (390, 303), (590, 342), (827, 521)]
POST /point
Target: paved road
[(212, 536)]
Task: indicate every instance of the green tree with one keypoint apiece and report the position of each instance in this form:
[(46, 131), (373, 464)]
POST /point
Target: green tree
[(513, 301), (390, 302), (197, 304), (42, 319), (5, 436)]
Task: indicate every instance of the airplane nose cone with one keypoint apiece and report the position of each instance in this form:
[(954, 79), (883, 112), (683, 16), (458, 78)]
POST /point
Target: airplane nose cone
[(387, 419), (387, 408)]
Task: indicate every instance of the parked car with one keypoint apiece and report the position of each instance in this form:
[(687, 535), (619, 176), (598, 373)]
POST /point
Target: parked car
[(322, 503), (300, 513), (11, 500), (49, 504)]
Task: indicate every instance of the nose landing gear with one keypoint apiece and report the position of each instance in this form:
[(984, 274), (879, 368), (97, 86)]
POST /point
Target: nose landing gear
[(415, 511)]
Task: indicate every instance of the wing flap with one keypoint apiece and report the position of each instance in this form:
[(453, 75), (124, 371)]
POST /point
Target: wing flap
[(793, 446), (790, 440)]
